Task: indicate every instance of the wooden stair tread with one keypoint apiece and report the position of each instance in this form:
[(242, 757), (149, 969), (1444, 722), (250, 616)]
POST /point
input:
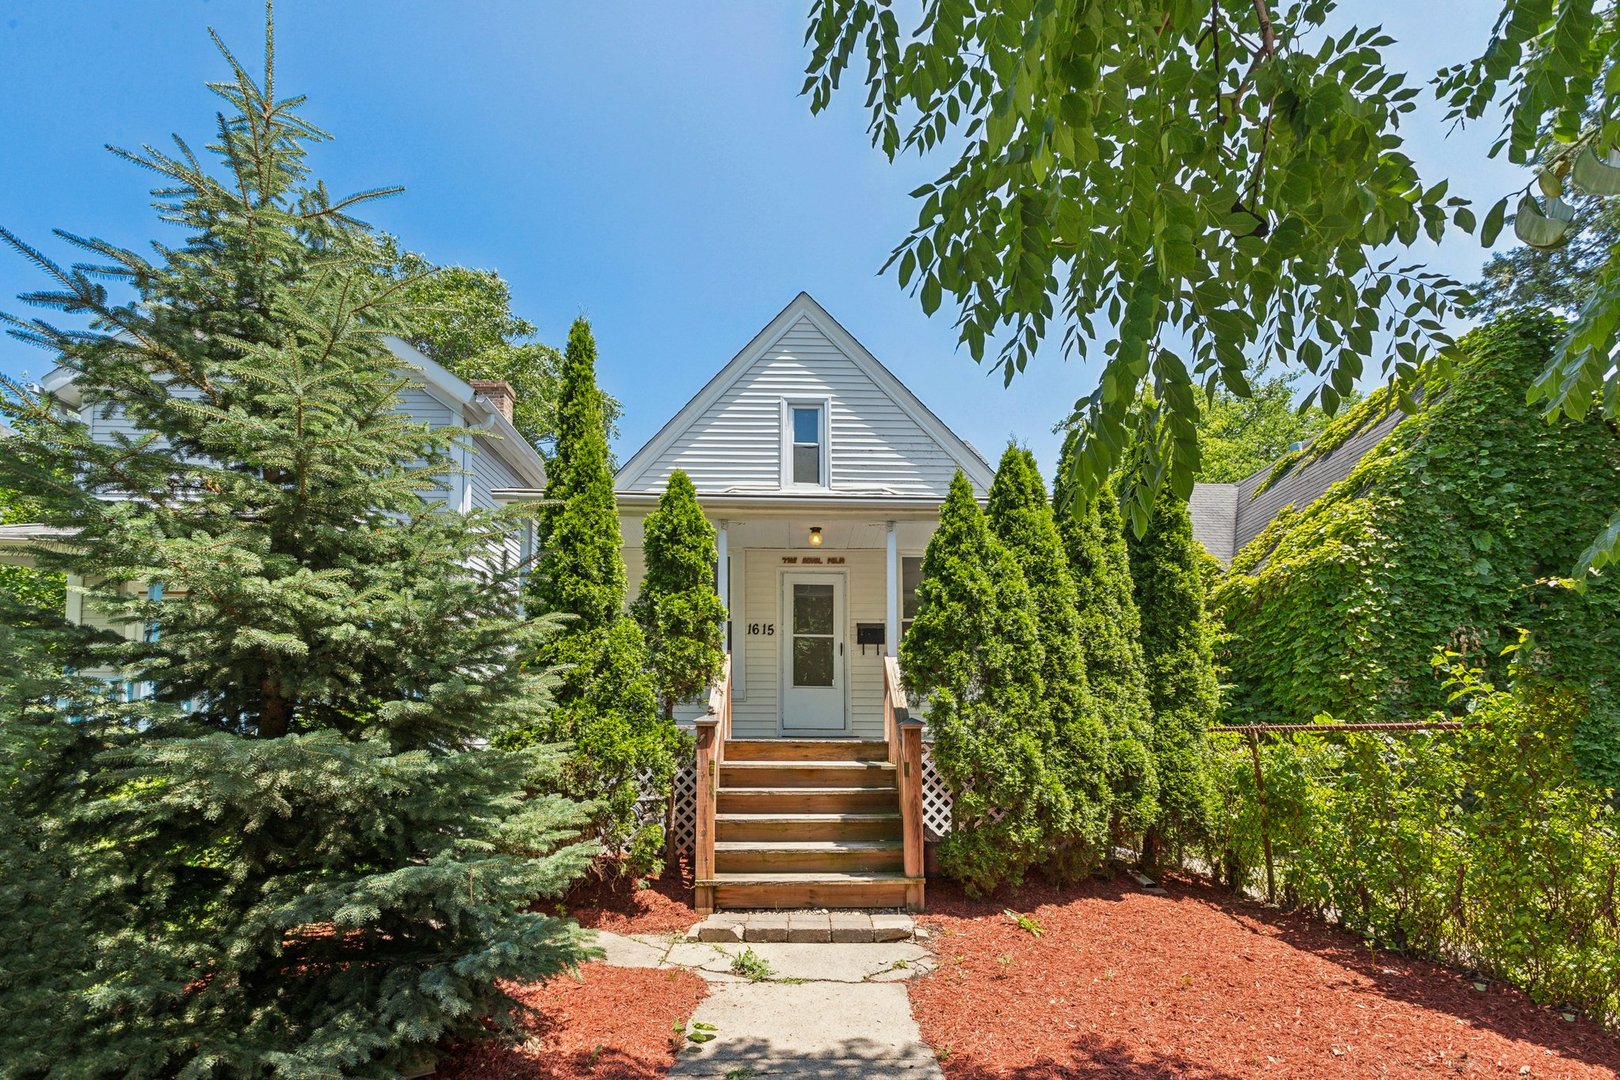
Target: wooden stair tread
[(779, 765), (817, 742), (809, 877), (807, 845), (806, 818), (729, 790)]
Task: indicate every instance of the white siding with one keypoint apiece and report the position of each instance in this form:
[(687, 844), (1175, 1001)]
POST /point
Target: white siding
[(106, 422), (755, 715), (487, 471), (418, 404), (736, 443)]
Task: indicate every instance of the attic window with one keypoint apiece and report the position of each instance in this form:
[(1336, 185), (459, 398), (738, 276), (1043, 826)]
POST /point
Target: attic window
[(805, 444)]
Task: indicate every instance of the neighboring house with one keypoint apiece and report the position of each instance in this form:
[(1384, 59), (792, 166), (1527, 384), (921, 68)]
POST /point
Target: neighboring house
[(823, 475), (1225, 517), (496, 458)]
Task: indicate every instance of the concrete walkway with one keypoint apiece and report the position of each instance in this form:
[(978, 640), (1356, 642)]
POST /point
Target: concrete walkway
[(824, 1012)]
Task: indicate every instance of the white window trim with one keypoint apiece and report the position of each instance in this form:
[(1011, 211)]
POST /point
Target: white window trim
[(788, 405), (900, 589)]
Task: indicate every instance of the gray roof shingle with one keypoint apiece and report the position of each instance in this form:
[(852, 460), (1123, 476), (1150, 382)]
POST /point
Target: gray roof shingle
[(1225, 517)]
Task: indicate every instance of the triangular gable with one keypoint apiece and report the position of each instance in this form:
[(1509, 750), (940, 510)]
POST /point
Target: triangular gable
[(884, 440)]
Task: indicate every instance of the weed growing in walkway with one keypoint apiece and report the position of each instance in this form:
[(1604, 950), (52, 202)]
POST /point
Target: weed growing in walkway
[(751, 966)]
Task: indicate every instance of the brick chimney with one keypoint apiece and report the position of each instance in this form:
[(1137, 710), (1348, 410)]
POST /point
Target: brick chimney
[(498, 392)]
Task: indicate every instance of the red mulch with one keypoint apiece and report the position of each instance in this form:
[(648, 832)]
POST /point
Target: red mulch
[(610, 1024), (617, 905), (1200, 984)]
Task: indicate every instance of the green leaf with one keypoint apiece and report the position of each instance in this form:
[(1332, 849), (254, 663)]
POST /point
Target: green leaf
[(1494, 219), (931, 294), (1542, 223), (1597, 176)]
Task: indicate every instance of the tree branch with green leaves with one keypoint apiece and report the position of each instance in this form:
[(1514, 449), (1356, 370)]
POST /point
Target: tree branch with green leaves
[(1200, 187), (1215, 183)]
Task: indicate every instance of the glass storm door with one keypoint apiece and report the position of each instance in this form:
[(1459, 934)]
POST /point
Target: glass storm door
[(813, 664)]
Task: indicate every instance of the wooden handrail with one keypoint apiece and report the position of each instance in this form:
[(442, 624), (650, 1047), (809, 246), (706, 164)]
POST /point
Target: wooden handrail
[(904, 736), (713, 729)]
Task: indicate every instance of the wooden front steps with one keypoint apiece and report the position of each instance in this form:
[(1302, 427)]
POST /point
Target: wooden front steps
[(807, 750), (801, 774), (807, 823)]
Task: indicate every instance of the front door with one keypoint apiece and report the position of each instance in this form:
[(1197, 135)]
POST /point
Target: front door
[(813, 660)]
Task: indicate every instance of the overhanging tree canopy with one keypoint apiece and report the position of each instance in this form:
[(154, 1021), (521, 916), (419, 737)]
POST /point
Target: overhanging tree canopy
[(1222, 181)]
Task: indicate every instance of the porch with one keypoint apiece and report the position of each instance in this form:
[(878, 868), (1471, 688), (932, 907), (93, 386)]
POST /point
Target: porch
[(808, 784), (818, 594), (794, 823)]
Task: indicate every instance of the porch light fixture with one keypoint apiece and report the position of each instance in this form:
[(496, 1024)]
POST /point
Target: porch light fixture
[(815, 536)]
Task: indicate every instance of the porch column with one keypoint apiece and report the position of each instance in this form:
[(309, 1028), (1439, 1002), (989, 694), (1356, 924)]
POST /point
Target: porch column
[(891, 624), (722, 577)]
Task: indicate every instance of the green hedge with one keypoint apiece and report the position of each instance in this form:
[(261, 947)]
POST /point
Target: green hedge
[(1452, 533), (1483, 848)]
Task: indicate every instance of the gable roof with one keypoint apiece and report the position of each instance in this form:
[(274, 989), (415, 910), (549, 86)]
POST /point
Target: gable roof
[(482, 417), (634, 474)]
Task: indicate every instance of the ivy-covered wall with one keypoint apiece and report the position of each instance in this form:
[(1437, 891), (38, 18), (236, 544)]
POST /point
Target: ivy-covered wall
[(1454, 532)]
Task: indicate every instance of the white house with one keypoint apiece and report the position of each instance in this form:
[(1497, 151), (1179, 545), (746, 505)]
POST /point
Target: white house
[(494, 458), (823, 475)]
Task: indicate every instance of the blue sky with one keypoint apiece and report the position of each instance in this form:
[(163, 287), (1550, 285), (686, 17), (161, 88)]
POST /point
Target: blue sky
[(649, 165)]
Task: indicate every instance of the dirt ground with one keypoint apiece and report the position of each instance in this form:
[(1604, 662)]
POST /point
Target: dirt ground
[(1200, 984)]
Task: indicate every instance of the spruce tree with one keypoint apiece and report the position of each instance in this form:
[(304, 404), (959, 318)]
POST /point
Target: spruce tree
[(292, 852), (679, 611), (623, 749), (1167, 569), (974, 655), (1021, 518), (46, 957), (1110, 631)]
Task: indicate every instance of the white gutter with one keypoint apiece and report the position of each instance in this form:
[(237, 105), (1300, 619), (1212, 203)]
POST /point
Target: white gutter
[(18, 542), (917, 506)]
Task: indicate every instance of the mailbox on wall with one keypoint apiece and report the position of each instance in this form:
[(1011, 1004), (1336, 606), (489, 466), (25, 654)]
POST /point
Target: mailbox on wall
[(869, 633)]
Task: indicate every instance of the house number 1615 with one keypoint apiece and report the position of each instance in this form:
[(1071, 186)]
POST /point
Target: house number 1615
[(756, 629)]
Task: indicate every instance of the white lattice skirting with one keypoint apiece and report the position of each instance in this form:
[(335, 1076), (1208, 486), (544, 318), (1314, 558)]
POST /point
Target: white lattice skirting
[(681, 820), (936, 798), (681, 825)]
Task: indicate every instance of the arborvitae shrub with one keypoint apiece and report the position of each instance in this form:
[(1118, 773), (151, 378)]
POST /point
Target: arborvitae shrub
[(607, 705), (1167, 570), (679, 610), (1021, 518), (974, 654), (1454, 532), (1110, 632)]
